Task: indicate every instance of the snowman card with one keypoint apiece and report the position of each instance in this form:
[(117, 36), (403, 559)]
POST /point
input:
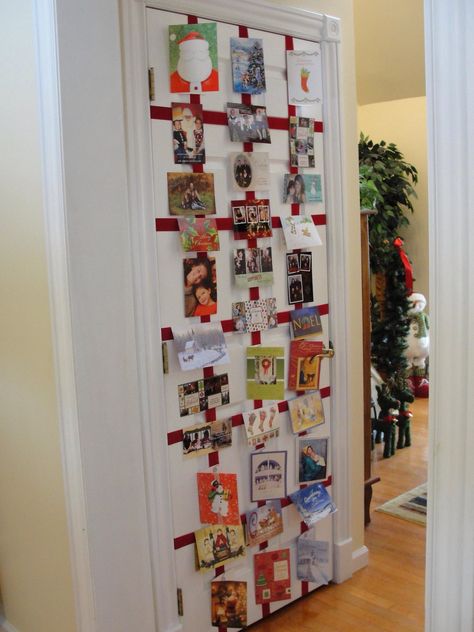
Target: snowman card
[(218, 500), (193, 58)]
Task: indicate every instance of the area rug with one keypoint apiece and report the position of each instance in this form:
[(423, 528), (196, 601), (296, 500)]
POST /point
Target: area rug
[(409, 506)]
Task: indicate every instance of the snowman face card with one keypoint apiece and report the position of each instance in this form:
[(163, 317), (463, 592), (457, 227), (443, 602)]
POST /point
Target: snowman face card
[(248, 69), (218, 500), (193, 58)]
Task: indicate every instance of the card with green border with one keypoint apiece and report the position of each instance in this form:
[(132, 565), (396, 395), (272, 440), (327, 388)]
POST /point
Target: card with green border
[(265, 373)]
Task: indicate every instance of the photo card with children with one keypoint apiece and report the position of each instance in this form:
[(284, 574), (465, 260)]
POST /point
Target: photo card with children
[(312, 459), (299, 277), (219, 544), (188, 133), (251, 219), (228, 604), (306, 411), (300, 232), (301, 141), (263, 523), (248, 68), (248, 123), (265, 373), (198, 234), (197, 440), (200, 286), (204, 394), (193, 58), (253, 267), (268, 475), (200, 345), (258, 315), (191, 193), (272, 576), (262, 424), (302, 188), (218, 498), (250, 171), (305, 365)]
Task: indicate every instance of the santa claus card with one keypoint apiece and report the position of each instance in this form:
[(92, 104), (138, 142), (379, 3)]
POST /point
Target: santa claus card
[(193, 58), (272, 576), (218, 500), (305, 364)]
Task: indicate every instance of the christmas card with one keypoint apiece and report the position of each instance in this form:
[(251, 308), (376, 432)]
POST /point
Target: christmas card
[(302, 188), (217, 545), (197, 440), (305, 364), (250, 171), (253, 267), (313, 503), (272, 576), (193, 58), (265, 373), (300, 232), (248, 123), (312, 459), (301, 141), (305, 322), (200, 286), (198, 234), (204, 394), (262, 424), (251, 219), (250, 316), (312, 559), (299, 277), (306, 412), (268, 475), (221, 433), (200, 345), (218, 499), (264, 522), (304, 77), (248, 69), (188, 133), (191, 193), (229, 604)]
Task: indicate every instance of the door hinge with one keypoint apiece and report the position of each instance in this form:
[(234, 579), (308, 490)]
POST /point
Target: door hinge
[(180, 602), (151, 83)]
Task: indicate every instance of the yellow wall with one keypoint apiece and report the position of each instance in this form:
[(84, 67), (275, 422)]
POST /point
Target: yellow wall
[(403, 122), (35, 572), (344, 9)]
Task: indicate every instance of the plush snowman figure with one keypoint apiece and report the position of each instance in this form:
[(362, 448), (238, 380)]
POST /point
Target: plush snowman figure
[(418, 340), (194, 72)]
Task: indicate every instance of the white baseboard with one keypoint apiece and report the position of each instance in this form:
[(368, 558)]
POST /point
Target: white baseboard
[(360, 559), (5, 626)]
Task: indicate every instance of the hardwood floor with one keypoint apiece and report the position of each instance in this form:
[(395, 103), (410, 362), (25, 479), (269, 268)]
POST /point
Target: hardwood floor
[(388, 595)]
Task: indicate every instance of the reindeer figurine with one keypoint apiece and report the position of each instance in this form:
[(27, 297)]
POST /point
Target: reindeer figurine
[(386, 421)]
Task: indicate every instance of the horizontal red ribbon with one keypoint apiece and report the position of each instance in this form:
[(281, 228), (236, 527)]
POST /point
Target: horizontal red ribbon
[(170, 224)]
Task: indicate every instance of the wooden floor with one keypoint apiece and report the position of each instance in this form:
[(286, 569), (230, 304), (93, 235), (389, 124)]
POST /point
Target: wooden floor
[(388, 595)]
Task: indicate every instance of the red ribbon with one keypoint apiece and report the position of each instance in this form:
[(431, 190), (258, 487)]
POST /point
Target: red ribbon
[(398, 243)]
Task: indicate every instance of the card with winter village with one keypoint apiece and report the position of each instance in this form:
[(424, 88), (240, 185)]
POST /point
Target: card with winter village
[(258, 315), (304, 365), (299, 277), (200, 286), (253, 267), (218, 498), (312, 459), (228, 604), (302, 188), (305, 322), (263, 523), (251, 219), (265, 373), (250, 171), (312, 559), (262, 424), (272, 576), (304, 77), (306, 411), (248, 123), (248, 68), (198, 234), (301, 141), (300, 232), (188, 133), (204, 394), (193, 58), (200, 345), (197, 440), (191, 193), (268, 475), (313, 503), (219, 544)]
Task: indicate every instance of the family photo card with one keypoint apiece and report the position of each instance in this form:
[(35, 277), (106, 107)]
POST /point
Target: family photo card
[(218, 499), (268, 475), (264, 522), (301, 141), (265, 373), (200, 345), (248, 68), (193, 58), (188, 133), (219, 544), (191, 193), (248, 123), (302, 188), (262, 424), (299, 277), (258, 315), (198, 234), (204, 394), (200, 286), (250, 171), (251, 219), (197, 440), (306, 411), (272, 576), (229, 604), (253, 267)]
